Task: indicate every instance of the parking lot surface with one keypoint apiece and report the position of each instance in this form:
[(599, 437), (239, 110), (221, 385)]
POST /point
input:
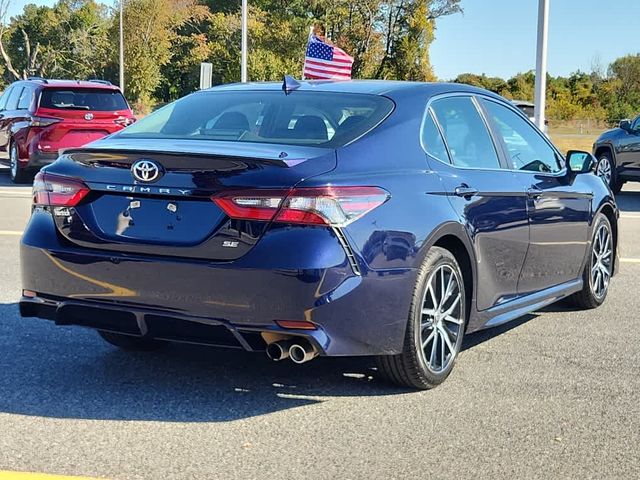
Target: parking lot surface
[(552, 395)]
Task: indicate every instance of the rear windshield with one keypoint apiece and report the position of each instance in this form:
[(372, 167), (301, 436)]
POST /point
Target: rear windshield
[(300, 118), (100, 100)]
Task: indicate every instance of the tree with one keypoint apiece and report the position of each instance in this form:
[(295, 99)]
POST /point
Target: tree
[(68, 39), (151, 28)]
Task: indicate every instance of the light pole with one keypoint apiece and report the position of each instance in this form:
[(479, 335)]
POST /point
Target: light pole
[(541, 63), (121, 47), (243, 61)]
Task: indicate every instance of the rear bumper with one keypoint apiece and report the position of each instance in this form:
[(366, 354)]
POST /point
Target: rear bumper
[(152, 323), (186, 300)]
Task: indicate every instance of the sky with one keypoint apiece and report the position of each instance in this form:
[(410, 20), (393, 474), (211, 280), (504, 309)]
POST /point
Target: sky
[(498, 37)]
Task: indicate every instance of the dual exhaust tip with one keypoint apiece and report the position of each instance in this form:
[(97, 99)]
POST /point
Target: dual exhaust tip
[(299, 351)]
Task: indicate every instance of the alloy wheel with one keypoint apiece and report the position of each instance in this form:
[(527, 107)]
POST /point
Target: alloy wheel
[(604, 169), (601, 261), (441, 319)]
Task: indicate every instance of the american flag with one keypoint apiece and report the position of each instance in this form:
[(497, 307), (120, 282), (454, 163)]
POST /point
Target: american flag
[(323, 61)]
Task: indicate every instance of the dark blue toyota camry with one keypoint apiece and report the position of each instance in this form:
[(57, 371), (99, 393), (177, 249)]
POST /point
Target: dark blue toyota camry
[(319, 218)]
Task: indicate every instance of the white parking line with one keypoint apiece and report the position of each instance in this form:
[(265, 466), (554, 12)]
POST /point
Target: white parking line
[(10, 233), (630, 215), (15, 193), (630, 260)]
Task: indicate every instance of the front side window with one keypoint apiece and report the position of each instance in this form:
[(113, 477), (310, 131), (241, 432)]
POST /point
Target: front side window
[(4, 98), (526, 148), (301, 118), (467, 137), (636, 124)]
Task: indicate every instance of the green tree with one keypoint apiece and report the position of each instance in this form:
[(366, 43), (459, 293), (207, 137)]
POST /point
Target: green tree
[(151, 30)]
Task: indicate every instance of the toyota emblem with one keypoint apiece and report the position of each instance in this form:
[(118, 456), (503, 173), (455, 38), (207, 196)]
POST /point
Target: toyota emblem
[(88, 116), (146, 171)]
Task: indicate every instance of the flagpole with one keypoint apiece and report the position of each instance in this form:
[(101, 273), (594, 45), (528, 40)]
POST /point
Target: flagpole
[(541, 64), (121, 47), (243, 67), (308, 40)]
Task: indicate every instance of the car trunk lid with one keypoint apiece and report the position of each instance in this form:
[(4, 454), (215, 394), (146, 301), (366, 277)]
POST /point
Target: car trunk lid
[(174, 214)]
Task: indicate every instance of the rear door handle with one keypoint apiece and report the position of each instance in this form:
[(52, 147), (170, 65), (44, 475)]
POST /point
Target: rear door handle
[(465, 191)]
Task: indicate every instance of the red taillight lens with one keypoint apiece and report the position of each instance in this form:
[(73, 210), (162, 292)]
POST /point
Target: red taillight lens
[(55, 191), (335, 206), (44, 121), (125, 121)]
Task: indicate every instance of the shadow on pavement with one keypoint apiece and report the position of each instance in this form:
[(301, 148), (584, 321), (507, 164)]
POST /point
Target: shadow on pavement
[(628, 201), (5, 180), (69, 372)]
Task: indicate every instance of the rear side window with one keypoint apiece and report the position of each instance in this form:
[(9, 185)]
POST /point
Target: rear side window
[(12, 101), (432, 139), (26, 97), (97, 100), (466, 134), (301, 118)]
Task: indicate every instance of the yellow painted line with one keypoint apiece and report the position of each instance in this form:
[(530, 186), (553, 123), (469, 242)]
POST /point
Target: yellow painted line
[(4, 475), (10, 233)]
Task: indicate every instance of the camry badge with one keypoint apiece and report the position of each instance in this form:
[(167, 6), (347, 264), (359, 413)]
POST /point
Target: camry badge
[(146, 171), (88, 116)]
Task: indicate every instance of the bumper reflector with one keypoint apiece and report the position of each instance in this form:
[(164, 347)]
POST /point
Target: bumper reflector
[(296, 324), (29, 294)]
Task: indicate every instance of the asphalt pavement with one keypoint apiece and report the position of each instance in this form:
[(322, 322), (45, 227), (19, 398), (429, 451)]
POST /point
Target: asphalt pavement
[(552, 395)]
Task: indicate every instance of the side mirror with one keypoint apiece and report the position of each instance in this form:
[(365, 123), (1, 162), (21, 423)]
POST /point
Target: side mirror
[(580, 162), (625, 125)]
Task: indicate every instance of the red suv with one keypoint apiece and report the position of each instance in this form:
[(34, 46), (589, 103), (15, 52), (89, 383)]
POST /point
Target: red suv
[(39, 117)]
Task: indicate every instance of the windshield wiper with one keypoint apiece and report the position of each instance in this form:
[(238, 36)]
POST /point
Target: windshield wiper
[(73, 107)]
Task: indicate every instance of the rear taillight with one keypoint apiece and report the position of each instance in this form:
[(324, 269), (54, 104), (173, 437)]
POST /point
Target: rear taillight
[(44, 121), (125, 121), (54, 191), (335, 206)]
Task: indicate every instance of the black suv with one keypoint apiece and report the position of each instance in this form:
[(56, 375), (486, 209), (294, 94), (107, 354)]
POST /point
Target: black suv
[(618, 154)]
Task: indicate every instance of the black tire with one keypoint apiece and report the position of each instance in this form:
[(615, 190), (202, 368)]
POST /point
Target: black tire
[(18, 175), (588, 297), (614, 181), (127, 342), (411, 368)]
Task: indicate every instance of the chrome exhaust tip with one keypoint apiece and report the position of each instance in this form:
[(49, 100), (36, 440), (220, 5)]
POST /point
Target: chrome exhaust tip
[(277, 351), (302, 352)]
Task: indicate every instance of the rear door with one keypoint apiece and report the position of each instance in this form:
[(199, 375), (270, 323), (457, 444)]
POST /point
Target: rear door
[(86, 115), (489, 201), (559, 209)]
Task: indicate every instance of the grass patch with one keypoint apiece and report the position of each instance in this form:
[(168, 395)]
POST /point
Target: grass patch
[(566, 142)]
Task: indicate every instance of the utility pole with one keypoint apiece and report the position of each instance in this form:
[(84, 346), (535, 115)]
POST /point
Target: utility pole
[(243, 67), (541, 63), (121, 46)]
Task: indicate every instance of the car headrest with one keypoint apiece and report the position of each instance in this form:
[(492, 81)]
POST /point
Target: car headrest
[(231, 121), (311, 127)]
